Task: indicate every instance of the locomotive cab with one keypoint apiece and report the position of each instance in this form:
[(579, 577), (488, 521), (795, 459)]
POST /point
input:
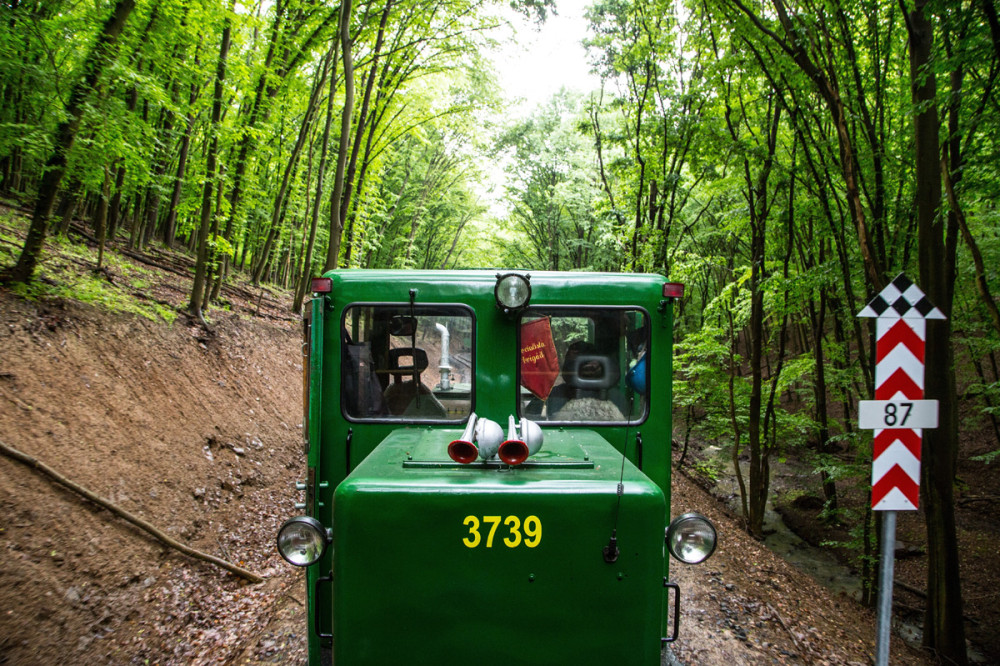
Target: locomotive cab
[(488, 473)]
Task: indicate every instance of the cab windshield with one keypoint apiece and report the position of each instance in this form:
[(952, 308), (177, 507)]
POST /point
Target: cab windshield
[(584, 365), (402, 362)]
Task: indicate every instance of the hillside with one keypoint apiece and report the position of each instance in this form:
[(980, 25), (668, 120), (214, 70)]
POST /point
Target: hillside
[(196, 434)]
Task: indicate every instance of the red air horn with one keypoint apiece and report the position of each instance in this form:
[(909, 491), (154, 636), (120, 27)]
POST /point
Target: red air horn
[(464, 450), (480, 439), (521, 442)]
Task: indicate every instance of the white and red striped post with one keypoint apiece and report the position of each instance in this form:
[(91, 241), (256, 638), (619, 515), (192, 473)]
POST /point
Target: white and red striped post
[(898, 415), (899, 375)]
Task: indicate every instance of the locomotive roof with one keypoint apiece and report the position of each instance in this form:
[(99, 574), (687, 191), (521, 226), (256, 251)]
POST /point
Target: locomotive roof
[(458, 285)]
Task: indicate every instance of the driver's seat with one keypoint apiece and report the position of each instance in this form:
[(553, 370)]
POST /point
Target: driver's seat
[(411, 398)]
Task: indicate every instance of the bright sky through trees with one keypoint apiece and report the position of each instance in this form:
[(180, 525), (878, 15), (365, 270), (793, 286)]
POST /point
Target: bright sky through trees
[(534, 63)]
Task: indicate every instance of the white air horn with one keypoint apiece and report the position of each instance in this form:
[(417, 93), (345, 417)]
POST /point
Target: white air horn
[(489, 434), (521, 442), (480, 439)]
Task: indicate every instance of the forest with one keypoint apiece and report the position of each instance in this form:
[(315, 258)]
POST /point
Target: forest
[(784, 159)]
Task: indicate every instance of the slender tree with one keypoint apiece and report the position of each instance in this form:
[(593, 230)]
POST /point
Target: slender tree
[(944, 627), (211, 157), (336, 196), (55, 167)]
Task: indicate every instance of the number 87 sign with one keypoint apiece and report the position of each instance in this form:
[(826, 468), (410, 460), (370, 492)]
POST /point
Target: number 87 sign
[(899, 413), (879, 414)]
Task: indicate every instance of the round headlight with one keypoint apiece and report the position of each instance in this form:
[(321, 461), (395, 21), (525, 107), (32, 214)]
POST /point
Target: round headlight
[(691, 538), (302, 541), (512, 291)]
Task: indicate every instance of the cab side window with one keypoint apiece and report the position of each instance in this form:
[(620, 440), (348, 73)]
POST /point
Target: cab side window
[(407, 364)]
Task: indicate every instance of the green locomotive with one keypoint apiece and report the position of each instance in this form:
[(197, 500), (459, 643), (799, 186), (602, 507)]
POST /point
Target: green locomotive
[(488, 475)]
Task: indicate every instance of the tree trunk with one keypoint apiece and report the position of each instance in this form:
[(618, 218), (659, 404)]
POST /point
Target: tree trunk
[(300, 291), (153, 196), (336, 221), (345, 203), (201, 264), (757, 203), (70, 202), (214, 272), (818, 320), (102, 217), (734, 371), (944, 628), (170, 225), (977, 256), (293, 159)]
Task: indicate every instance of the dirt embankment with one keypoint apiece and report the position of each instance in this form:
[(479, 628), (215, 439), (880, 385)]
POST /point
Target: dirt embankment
[(197, 434), (747, 606)]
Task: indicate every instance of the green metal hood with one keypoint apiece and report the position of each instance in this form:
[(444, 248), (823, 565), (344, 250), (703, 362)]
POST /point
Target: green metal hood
[(430, 555)]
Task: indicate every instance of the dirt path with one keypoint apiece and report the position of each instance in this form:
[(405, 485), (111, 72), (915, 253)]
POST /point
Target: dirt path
[(747, 606), (282, 640)]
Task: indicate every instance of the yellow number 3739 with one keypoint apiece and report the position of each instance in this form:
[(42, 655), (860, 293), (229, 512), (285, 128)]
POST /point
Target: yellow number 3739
[(528, 533)]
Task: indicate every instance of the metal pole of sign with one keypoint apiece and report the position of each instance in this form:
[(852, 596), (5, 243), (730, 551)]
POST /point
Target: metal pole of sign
[(885, 587)]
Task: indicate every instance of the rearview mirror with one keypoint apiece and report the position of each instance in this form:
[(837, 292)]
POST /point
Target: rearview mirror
[(400, 325)]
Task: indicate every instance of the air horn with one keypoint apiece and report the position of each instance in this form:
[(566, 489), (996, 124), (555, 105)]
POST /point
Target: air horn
[(480, 439), (463, 450), (521, 442)]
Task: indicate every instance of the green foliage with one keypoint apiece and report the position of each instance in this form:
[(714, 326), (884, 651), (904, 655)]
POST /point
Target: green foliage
[(720, 123), (94, 289), (220, 247), (710, 469), (551, 187), (702, 387), (987, 458), (69, 273)]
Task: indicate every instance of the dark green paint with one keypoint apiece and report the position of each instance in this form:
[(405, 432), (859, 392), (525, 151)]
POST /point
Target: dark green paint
[(409, 590), (316, 603)]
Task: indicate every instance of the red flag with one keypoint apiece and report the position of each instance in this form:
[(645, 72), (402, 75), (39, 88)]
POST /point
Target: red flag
[(539, 360)]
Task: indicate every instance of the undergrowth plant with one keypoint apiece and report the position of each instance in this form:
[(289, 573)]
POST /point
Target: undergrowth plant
[(68, 272)]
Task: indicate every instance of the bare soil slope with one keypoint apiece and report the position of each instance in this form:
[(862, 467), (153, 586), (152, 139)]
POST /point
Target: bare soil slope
[(197, 434)]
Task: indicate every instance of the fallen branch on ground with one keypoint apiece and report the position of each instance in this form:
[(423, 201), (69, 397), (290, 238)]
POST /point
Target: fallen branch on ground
[(135, 520), (909, 588), (777, 616)]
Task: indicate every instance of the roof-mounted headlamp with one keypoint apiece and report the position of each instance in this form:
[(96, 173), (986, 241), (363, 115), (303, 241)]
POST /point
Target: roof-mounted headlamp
[(512, 292)]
